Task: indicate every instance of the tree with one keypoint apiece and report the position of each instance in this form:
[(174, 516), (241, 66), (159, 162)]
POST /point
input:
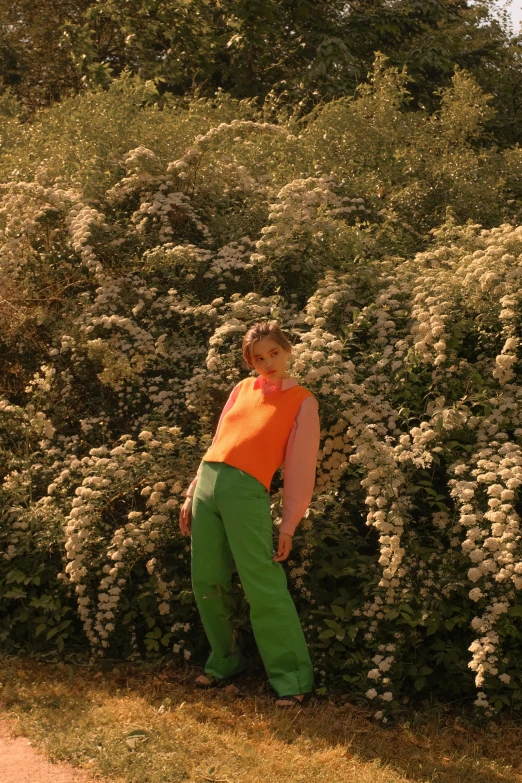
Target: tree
[(32, 61), (297, 53)]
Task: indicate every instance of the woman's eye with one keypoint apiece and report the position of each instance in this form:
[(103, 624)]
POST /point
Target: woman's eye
[(260, 358)]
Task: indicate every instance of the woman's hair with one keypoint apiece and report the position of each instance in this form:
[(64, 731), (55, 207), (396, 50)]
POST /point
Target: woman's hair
[(257, 332)]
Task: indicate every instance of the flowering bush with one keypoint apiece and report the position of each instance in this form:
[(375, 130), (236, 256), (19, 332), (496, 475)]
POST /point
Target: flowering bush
[(122, 319)]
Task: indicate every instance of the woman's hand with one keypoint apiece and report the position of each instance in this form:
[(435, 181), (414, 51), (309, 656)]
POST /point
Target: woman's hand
[(185, 517), (284, 547)]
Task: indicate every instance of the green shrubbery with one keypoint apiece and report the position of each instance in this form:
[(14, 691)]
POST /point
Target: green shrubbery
[(138, 244)]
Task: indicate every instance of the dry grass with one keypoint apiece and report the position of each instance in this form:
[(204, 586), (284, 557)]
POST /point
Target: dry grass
[(84, 715)]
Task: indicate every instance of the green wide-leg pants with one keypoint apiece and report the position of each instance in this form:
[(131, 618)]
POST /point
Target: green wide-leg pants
[(231, 522)]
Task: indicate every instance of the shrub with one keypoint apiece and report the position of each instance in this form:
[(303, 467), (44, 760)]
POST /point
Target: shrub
[(127, 294)]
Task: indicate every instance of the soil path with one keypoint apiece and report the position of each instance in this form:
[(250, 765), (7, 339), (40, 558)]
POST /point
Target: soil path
[(19, 763)]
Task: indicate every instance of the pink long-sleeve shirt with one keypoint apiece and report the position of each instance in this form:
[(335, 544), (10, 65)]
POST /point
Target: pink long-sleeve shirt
[(300, 455)]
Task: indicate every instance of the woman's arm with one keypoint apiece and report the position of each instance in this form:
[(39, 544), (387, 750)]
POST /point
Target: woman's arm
[(300, 465), (229, 403)]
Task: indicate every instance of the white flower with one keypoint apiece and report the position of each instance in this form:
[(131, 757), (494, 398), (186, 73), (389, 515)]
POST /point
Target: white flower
[(48, 430)]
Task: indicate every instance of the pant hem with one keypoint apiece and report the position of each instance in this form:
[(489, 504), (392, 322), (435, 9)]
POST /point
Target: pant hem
[(225, 667), (287, 684)]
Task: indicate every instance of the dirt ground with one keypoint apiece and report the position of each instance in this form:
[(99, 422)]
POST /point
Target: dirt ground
[(19, 763)]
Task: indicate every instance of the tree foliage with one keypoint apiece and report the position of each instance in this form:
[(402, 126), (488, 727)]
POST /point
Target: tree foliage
[(293, 53)]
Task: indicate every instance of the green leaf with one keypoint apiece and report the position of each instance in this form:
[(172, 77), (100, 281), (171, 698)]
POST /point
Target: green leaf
[(327, 634), (15, 576), (451, 622), (332, 624), (165, 639)]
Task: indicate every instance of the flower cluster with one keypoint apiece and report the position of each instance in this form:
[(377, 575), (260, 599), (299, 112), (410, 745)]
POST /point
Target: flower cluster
[(486, 490)]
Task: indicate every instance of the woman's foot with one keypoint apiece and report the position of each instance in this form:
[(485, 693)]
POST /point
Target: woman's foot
[(289, 701), (211, 681), (203, 680)]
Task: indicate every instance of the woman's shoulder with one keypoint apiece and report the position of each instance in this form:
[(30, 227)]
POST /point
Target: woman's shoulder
[(307, 393), (311, 397), (236, 389), (242, 384)]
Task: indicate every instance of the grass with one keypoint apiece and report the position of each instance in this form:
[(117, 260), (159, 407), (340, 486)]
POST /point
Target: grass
[(86, 714)]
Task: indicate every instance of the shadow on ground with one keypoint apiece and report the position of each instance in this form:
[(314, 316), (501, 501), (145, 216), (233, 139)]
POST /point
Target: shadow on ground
[(89, 706)]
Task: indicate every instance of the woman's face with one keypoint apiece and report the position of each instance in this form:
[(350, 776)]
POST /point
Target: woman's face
[(267, 355)]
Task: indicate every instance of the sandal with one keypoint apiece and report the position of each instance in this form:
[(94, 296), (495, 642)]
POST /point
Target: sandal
[(294, 699)]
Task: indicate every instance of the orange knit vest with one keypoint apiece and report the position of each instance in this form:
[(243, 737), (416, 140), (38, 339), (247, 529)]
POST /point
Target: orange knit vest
[(254, 432)]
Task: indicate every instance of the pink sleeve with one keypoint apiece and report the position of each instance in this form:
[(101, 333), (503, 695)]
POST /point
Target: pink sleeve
[(231, 399), (300, 464)]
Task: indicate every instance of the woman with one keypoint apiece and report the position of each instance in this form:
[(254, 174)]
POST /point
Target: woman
[(266, 421)]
